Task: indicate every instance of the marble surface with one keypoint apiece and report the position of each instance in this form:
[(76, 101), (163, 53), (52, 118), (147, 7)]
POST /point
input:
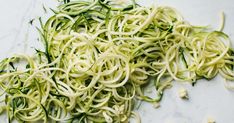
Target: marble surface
[(207, 98)]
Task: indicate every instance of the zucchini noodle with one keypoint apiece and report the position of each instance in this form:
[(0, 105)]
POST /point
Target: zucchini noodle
[(99, 55)]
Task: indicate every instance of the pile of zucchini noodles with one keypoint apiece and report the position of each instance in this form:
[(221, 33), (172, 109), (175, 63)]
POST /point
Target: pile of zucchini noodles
[(99, 56)]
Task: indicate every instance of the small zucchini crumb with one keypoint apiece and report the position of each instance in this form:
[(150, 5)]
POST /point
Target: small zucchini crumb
[(156, 105), (183, 94), (210, 120)]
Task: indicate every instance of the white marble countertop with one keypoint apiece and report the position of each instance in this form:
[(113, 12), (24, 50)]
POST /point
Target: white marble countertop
[(207, 98)]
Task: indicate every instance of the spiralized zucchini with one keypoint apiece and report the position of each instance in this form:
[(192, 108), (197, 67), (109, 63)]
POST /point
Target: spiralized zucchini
[(98, 56)]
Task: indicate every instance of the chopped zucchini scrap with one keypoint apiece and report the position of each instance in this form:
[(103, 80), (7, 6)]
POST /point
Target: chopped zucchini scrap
[(183, 94), (210, 120), (156, 105)]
